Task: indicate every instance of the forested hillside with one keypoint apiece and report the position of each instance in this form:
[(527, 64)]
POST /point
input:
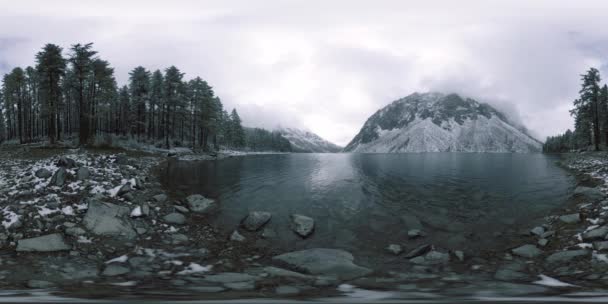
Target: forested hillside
[(73, 96), (590, 114)]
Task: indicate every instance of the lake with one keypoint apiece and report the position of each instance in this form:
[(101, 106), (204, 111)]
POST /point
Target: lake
[(363, 202)]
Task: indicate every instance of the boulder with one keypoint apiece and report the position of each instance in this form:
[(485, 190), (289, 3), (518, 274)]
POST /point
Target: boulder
[(432, 258), (595, 234), (43, 173), (160, 198), (570, 218), (82, 174), (45, 243), (538, 231), (107, 219), (420, 250), (126, 188), (66, 162), (115, 269), (600, 246), (59, 177), (302, 225), (588, 192), (322, 261), (527, 251), (200, 204), (256, 220), (174, 218), (565, 256)]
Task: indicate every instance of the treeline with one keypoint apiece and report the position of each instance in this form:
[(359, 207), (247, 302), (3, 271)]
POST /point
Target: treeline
[(76, 97), (590, 114), (262, 140)]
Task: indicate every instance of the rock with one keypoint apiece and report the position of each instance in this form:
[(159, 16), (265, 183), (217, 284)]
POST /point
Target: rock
[(268, 233), (82, 174), (542, 242), (256, 220), (174, 218), (75, 231), (286, 274), (432, 258), (39, 284), (420, 250), (591, 193), (115, 269), (49, 242), (595, 234), (237, 237), (415, 233), (411, 222), (527, 251), (322, 261), (66, 162), (565, 256), (136, 212), (241, 286), (199, 204), (59, 177), (394, 249), (570, 218), (302, 225), (600, 246), (511, 272), (160, 198), (126, 188), (43, 173), (230, 277), (179, 238), (145, 209), (109, 220), (547, 234), (538, 231), (286, 290), (181, 209), (459, 255)]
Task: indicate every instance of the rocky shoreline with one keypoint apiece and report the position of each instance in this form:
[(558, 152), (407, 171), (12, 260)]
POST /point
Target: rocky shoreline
[(98, 223)]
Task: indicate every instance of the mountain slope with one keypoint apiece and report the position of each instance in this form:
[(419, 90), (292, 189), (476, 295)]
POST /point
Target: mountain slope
[(434, 122), (304, 141)]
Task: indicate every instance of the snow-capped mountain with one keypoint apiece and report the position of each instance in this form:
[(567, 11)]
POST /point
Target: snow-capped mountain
[(305, 141), (435, 122)]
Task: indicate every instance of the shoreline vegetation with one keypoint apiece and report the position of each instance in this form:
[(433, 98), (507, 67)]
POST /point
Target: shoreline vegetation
[(101, 221)]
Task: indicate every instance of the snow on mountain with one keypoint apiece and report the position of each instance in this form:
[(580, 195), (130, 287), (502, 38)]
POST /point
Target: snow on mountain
[(305, 141), (435, 122)]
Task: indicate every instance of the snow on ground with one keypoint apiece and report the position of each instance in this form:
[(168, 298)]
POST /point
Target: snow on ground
[(195, 268), (551, 282)]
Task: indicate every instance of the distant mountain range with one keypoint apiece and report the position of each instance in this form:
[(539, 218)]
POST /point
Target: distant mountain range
[(305, 141), (436, 122)]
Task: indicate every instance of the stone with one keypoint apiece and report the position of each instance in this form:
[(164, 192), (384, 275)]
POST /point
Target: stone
[(241, 286), (590, 193), (115, 269), (394, 249), (230, 277), (126, 188), (284, 273), (237, 237), (40, 284), (108, 219), (543, 242), (595, 234), (302, 225), (322, 261), (286, 290), (75, 231), (418, 251), (256, 220), (43, 173), (600, 246), (82, 174), (527, 251), (59, 177), (570, 218), (160, 198), (459, 255), (174, 218), (565, 256), (268, 233), (45, 243), (547, 234), (511, 272), (200, 204), (181, 209), (538, 231), (66, 162), (432, 258), (415, 233), (179, 238)]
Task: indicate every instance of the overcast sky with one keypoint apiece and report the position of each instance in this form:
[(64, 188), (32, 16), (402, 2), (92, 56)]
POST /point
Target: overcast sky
[(328, 65)]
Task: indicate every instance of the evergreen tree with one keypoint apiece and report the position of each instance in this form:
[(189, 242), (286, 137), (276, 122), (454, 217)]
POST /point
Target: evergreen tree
[(236, 130), (589, 102), (140, 93), (81, 60), (156, 95), (51, 67), (173, 93)]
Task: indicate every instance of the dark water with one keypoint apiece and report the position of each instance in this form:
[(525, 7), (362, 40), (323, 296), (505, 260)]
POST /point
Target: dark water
[(465, 201)]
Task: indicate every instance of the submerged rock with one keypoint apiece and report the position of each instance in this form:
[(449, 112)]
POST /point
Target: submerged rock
[(49, 242), (527, 251), (200, 204), (591, 193), (322, 261), (109, 220), (394, 249), (415, 233), (411, 222), (256, 220), (302, 225)]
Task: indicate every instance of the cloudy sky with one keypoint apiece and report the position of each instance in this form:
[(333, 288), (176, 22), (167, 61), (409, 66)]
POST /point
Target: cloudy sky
[(328, 65)]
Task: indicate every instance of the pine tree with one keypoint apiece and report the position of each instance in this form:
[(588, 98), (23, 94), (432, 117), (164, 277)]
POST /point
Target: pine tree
[(51, 67), (173, 91), (236, 130), (139, 87), (156, 95), (589, 101), (81, 60)]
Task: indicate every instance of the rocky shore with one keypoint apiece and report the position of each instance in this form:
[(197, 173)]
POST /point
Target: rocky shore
[(98, 223)]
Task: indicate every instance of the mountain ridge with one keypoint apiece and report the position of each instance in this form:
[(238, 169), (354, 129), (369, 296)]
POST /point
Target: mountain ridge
[(437, 122), (307, 142)]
